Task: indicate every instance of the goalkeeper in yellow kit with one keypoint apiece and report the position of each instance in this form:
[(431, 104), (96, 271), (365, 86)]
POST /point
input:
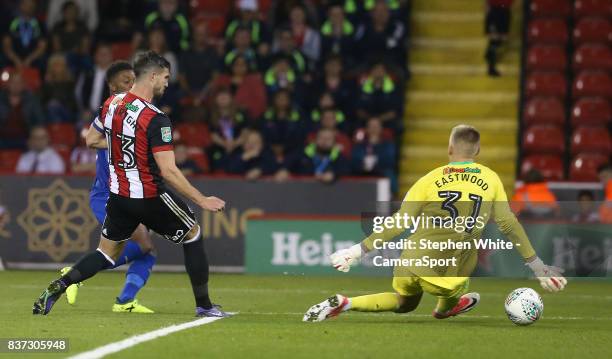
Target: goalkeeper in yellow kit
[(461, 189)]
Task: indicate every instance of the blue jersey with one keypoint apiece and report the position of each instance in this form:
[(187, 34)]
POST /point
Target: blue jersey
[(100, 190)]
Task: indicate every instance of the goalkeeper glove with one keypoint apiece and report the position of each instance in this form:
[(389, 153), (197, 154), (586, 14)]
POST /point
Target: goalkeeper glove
[(343, 259), (550, 277)]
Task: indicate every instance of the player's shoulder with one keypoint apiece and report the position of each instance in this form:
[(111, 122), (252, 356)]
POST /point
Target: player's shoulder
[(486, 170)]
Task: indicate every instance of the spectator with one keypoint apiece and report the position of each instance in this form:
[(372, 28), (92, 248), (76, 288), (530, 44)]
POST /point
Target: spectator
[(247, 87), (91, 89), (379, 97), (198, 65), (242, 47), (25, 44), (605, 177), (70, 35), (335, 116), (375, 156), (534, 199), (20, 111), (57, 91), (332, 119), (83, 158), (183, 162), (321, 159), (281, 77), (227, 124), (41, 158), (120, 19), (87, 13), (248, 19), (337, 33), (306, 39), (172, 22), (588, 211), (334, 82), (285, 46), (497, 26), (381, 37), (253, 159), (157, 42), (282, 125)]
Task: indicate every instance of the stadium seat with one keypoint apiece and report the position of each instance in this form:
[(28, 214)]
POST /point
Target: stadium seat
[(546, 84), (198, 156), (64, 152), (594, 111), (192, 134), (592, 83), (30, 75), (550, 166), (211, 6), (62, 134), (549, 31), (593, 57), (544, 110), (546, 57), (543, 139), (591, 139), (584, 166), (9, 159), (122, 50), (540, 8), (593, 30), (214, 21), (593, 8)]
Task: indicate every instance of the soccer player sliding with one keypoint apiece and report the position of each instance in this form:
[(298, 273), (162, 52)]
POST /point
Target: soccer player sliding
[(141, 160), (462, 188)]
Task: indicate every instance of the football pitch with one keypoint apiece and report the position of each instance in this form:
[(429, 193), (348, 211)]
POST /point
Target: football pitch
[(577, 323)]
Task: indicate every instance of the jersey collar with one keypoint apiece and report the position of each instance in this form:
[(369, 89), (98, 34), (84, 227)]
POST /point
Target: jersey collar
[(461, 163)]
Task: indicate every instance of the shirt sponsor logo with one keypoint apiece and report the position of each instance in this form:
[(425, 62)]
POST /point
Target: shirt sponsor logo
[(449, 170)]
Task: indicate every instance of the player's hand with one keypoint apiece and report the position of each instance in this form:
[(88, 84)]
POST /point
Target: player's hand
[(212, 204), (343, 259), (550, 277)]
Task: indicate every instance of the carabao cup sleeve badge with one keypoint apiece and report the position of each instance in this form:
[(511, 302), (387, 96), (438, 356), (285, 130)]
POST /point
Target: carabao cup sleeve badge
[(166, 133)]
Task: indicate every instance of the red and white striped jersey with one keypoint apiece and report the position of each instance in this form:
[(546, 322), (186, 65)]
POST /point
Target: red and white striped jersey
[(135, 129)]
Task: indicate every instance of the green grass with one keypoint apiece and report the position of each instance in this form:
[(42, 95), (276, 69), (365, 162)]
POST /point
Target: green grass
[(576, 323)]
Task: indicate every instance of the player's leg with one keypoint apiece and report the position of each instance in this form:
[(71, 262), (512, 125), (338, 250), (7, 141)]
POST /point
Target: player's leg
[(138, 273), (406, 298), (452, 302), (86, 267), (169, 216), (117, 228)]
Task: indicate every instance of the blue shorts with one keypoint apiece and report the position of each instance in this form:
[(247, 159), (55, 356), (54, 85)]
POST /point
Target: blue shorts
[(97, 202)]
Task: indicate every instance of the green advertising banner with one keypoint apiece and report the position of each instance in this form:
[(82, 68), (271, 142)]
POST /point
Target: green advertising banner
[(303, 245)]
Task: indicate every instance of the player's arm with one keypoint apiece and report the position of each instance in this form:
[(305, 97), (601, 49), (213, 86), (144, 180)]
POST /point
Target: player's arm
[(550, 277), (159, 134), (95, 137), (411, 206)]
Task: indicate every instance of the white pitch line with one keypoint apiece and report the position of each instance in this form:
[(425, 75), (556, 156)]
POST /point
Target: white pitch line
[(115, 347)]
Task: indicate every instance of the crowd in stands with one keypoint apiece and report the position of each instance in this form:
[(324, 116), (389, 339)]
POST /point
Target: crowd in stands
[(257, 88)]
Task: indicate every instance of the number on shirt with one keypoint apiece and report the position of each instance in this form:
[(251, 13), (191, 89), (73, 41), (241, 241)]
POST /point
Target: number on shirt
[(451, 197)]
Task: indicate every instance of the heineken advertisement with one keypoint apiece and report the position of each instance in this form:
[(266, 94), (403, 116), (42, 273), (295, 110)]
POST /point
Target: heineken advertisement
[(301, 246)]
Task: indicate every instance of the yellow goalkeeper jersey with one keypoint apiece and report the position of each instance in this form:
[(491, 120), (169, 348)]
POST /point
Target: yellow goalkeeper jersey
[(454, 202)]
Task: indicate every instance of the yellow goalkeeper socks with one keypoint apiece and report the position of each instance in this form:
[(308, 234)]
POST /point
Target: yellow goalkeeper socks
[(381, 302)]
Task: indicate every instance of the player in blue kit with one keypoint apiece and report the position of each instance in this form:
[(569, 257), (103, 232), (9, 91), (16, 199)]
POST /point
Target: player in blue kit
[(139, 249)]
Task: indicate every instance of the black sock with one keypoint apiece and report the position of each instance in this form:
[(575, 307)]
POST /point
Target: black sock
[(491, 53), (196, 264), (86, 267)]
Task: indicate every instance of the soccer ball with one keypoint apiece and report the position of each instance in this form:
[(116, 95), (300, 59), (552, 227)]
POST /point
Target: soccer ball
[(524, 306)]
